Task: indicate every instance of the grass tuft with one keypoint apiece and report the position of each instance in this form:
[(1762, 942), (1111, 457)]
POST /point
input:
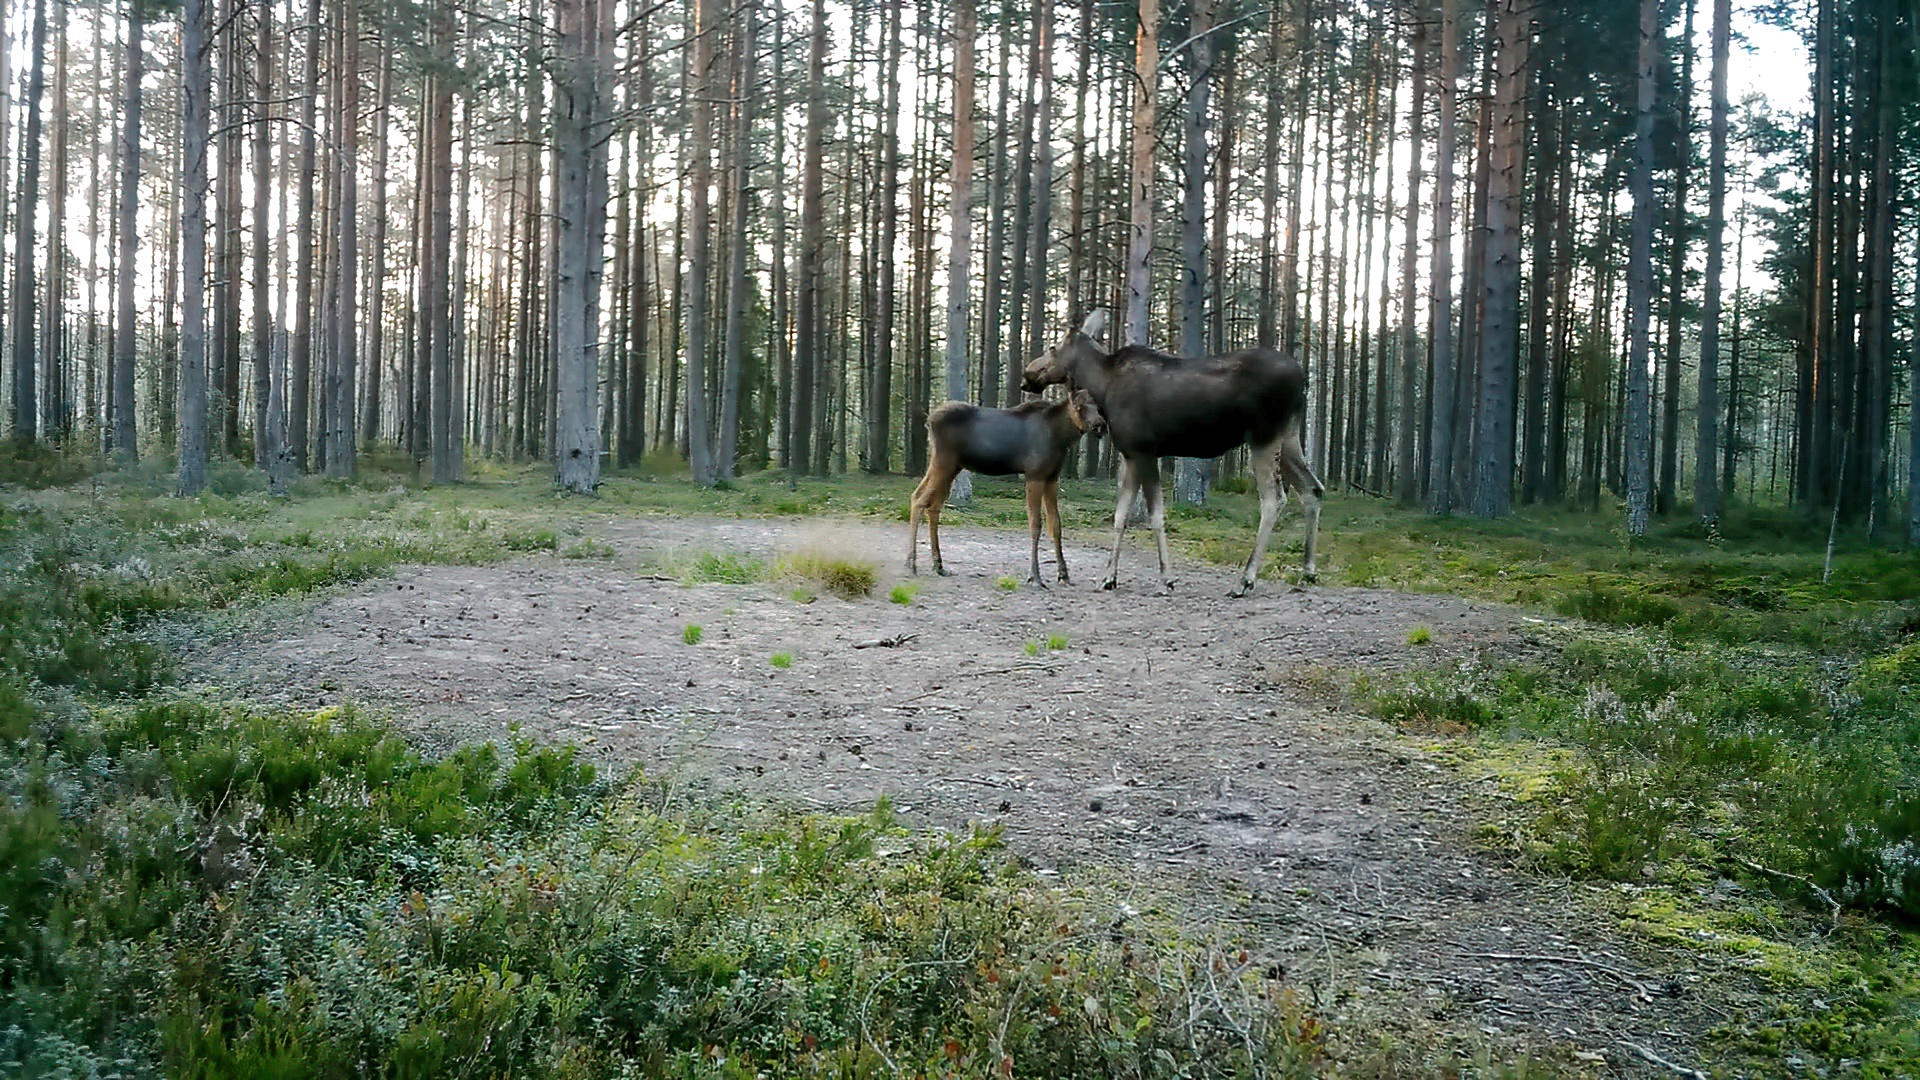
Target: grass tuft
[(1419, 635), (846, 578), (905, 592), (691, 633)]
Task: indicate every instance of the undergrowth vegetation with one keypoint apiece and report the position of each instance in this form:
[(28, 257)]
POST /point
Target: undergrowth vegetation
[(191, 887)]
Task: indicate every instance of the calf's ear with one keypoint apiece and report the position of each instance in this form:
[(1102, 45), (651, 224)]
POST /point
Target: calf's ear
[(1096, 325)]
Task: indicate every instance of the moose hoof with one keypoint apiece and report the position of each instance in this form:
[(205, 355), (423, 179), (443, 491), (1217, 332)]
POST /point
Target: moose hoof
[(1064, 579), (1110, 584), (1166, 588), (1240, 591), (1037, 581), (1309, 576), (942, 571)]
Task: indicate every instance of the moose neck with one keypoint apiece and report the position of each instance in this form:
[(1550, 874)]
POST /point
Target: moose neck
[(1087, 367)]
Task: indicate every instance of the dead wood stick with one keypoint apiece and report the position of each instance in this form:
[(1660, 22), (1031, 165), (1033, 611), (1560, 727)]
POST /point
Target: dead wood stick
[(1823, 894), (1536, 958), (1652, 1058)]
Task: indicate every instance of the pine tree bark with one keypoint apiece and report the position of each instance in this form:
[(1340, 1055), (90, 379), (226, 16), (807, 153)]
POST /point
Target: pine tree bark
[(735, 344), (376, 348), (1706, 491), (1493, 487), (1146, 85), (1191, 476), (196, 86), (807, 331), (300, 359), (1440, 401), (343, 371), (26, 413), (1407, 479), (581, 67), (1639, 428), (959, 255), (880, 387), (124, 442)]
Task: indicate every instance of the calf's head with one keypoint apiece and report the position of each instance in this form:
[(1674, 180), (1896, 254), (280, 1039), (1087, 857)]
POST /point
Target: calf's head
[(1085, 414), (1056, 364)]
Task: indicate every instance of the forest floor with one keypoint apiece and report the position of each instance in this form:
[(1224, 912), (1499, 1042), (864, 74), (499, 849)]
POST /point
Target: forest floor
[(1181, 755)]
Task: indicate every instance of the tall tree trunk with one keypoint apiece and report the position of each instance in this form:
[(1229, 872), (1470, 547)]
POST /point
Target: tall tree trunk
[(807, 331), (226, 295), (1706, 492), (1440, 401), (1191, 475), (1041, 218), (697, 151), (1493, 489), (1533, 467), (1639, 430), (581, 67), (738, 243), (994, 298), (1676, 277), (880, 386), (1407, 485), (124, 442), (300, 360), (196, 86), (343, 372), (959, 302), (26, 414), (1146, 85), (439, 247), (376, 350)]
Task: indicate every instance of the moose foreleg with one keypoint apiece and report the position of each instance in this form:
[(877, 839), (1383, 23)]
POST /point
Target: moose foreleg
[(1035, 514), (1053, 521)]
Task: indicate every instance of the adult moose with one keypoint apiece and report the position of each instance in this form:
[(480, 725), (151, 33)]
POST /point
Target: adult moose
[(1031, 438), (1158, 406)]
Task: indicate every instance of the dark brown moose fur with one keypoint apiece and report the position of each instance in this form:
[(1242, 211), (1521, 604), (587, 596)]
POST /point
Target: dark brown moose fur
[(1031, 438), (1157, 405)]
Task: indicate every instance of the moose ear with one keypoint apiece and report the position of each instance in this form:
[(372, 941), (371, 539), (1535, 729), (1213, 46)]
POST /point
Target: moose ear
[(1096, 325)]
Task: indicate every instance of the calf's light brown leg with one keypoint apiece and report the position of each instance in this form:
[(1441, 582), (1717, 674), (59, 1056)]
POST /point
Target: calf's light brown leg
[(1053, 521), (1035, 493)]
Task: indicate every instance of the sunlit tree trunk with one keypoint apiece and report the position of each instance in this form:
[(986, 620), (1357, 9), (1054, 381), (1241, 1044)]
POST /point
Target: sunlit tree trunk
[(1639, 430), (1146, 83), (1706, 491), (1440, 441), (581, 67), (26, 416), (734, 349), (196, 85), (1493, 488), (807, 331), (961, 217), (1191, 475), (124, 443)]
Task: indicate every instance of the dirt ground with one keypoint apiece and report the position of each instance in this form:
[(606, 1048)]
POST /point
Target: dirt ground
[(1168, 749)]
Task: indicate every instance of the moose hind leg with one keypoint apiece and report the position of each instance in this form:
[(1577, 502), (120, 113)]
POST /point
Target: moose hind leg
[(1293, 463), (937, 498), (1053, 522), (1157, 517), (1129, 482), (1266, 474)]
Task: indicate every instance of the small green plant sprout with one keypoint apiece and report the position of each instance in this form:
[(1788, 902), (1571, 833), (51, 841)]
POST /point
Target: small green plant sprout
[(1033, 647), (1056, 642), (1419, 635), (782, 660), (802, 595), (691, 634), (1007, 583), (905, 592)]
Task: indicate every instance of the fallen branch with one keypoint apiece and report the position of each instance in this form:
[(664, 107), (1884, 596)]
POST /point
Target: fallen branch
[(1535, 958), (893, 642), (1808, 882), (1652, 1058)]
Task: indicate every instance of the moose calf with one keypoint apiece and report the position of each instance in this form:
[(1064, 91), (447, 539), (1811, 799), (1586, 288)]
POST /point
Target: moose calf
[(1031, 439)]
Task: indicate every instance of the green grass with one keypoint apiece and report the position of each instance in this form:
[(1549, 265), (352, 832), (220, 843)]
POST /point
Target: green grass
[(905, 593), (1007, 583), (782, 660), (1420, 635), (691, 633), (849, 579), (199, 888), (1719, 714), (1056, 642)]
